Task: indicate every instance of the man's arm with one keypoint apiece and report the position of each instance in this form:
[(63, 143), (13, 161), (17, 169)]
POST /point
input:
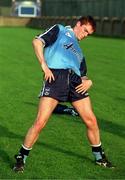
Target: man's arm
[(44, 40), (86, 82), (49, 36), (38, 49)]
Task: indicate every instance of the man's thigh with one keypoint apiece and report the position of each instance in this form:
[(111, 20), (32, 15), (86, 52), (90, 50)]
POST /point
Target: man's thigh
[(84, 108), (46, 106)]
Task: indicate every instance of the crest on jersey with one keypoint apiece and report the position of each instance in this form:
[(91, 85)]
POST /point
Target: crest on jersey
[(68, 34)]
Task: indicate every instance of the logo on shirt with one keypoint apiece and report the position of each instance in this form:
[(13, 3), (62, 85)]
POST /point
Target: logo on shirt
[(68, 34), (73, 50), (67, 46)]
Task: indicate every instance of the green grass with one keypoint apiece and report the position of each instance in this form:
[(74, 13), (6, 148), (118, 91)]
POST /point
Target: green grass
[(62, 151)]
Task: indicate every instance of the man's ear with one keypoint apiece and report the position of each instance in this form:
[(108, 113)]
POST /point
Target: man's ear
[(78, 23)]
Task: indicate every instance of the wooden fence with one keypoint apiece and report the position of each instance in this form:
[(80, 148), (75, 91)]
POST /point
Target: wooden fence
[(113, 27)]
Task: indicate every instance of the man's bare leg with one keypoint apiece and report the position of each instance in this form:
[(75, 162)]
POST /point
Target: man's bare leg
[(84, 109), (46, 107)]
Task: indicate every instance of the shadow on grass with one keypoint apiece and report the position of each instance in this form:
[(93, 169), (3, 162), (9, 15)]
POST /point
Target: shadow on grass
[(31, 104), (105, 125), (5, 157), (108, 126), (63, 151), (4, 132), (121, 99), (111, 127)]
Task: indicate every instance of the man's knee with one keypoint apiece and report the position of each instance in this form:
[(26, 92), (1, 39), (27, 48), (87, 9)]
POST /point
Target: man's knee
[(39, 125), (91, 122)]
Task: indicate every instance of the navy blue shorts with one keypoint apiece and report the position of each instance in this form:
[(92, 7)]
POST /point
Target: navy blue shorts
[(63, 88)]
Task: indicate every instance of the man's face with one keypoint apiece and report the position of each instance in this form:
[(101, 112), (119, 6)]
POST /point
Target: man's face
[(82, 31)]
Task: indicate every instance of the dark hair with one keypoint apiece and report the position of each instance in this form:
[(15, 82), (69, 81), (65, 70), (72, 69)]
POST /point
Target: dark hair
[(88, 19)]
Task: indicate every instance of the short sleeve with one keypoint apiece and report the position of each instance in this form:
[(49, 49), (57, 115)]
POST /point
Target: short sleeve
[(49, 36)]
